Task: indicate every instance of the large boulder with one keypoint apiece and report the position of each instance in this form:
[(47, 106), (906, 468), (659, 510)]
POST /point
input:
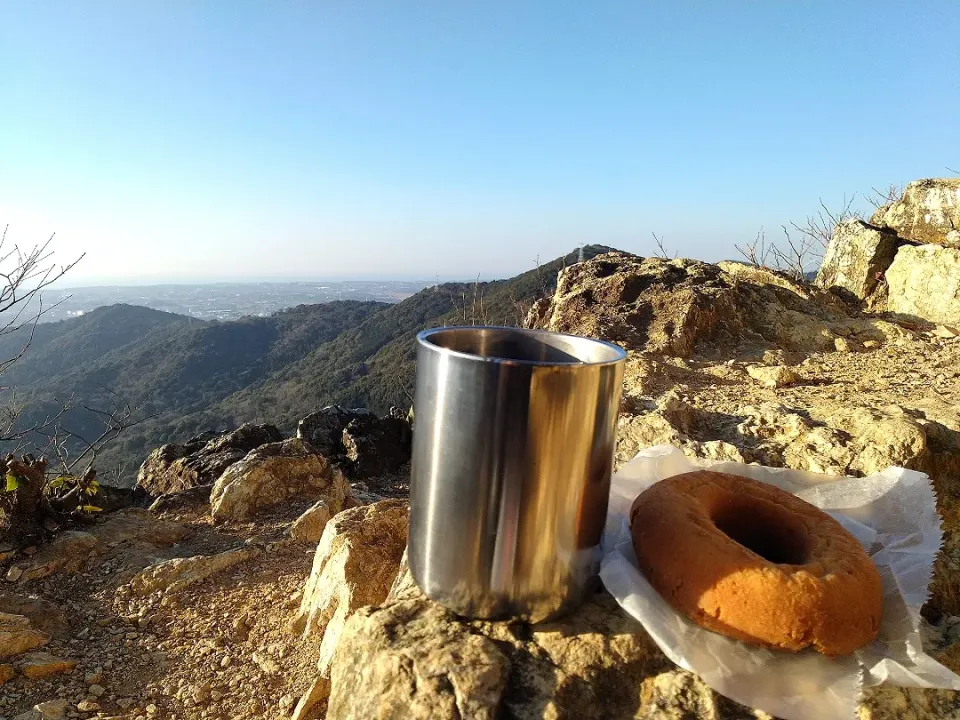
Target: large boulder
[(362, 443), (928, 212), (857, 257), (924, 281), (412, 658), (324, 429), (273, 474), (201, 461), (355, 565), (678, 307)]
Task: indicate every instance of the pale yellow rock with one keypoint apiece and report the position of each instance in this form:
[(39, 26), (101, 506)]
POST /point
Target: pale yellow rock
[(172, 576), (308, 528), (927, 212), (355, 564), (856, 257), (774, 377), (924, 282), (17, 635), (41, 664), (272, 474)]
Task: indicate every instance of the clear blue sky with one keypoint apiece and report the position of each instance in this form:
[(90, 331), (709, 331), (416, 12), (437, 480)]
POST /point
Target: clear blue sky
[(212, 140)]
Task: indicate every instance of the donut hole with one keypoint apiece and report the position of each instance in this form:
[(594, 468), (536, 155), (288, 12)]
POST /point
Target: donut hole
[(764, 529)]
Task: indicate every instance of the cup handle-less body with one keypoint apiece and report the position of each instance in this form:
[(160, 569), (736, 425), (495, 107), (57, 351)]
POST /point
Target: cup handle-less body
[(513, 451)]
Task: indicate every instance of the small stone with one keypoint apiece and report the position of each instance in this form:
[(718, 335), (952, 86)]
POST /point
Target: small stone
[(152, 709), (842, 345), (871, 344), (6, 673), (201, 693), (266, 663), (93, 678), (308, 528), (773, 377), (225, 663), (124, 703), (88, 706), (53, 709), (216, 695), (14, 573), (97, 690)]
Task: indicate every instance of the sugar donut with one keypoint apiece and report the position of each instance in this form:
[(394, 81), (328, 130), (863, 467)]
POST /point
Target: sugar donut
[(751, 561)]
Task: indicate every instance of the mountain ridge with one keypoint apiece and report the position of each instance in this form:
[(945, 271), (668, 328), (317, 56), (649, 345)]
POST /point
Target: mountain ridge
[(188, 376)]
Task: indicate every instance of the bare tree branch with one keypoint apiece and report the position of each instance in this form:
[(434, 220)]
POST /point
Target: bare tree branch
[(661, 251)]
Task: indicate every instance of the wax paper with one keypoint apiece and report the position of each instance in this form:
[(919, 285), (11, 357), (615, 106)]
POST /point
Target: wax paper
[(892, 514)]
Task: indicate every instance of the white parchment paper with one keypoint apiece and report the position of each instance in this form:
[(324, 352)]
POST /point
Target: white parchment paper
[(892, 514)]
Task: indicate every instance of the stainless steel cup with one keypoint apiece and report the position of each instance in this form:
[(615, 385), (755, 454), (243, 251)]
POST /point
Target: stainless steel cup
[(513, 446)]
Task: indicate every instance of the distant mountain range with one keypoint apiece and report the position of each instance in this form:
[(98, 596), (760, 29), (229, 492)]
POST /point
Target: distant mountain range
[(192, 375)]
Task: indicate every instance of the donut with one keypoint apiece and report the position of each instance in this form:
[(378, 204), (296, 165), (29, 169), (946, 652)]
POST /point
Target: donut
[(753, 562)]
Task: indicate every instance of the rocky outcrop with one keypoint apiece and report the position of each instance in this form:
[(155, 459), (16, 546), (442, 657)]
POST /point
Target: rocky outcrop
[(674, 307), (362, 443), (928, 212), (413, 660), (907, 261), (201, 461), (273, 474), (597, 663), (924, 282), (857, 257), (355, 565)]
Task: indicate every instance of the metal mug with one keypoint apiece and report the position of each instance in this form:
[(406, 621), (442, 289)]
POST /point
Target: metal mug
[(513, 443)]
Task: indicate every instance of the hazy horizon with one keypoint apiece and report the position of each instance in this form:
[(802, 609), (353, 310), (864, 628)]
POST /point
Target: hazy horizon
[(214, 141)]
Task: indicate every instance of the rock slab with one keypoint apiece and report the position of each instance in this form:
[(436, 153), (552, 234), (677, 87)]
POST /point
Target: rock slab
[(355, 565), (928, 212), (924, 281), (857, 257)]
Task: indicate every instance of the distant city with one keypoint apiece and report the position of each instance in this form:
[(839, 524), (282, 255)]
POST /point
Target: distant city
[(224, 301)]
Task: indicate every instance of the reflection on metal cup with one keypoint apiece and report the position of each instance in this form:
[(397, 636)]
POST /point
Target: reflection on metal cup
[(513, 442)]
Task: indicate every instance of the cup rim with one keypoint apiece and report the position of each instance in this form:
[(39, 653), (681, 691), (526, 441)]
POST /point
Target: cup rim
[(619, 354)]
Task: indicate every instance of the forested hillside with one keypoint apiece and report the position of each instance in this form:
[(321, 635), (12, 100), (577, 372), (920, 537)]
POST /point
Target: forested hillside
[(187, 376)]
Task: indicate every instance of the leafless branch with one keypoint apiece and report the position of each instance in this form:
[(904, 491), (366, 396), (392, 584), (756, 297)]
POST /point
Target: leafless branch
[(661, 251), (757, 253), (881, 198)]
